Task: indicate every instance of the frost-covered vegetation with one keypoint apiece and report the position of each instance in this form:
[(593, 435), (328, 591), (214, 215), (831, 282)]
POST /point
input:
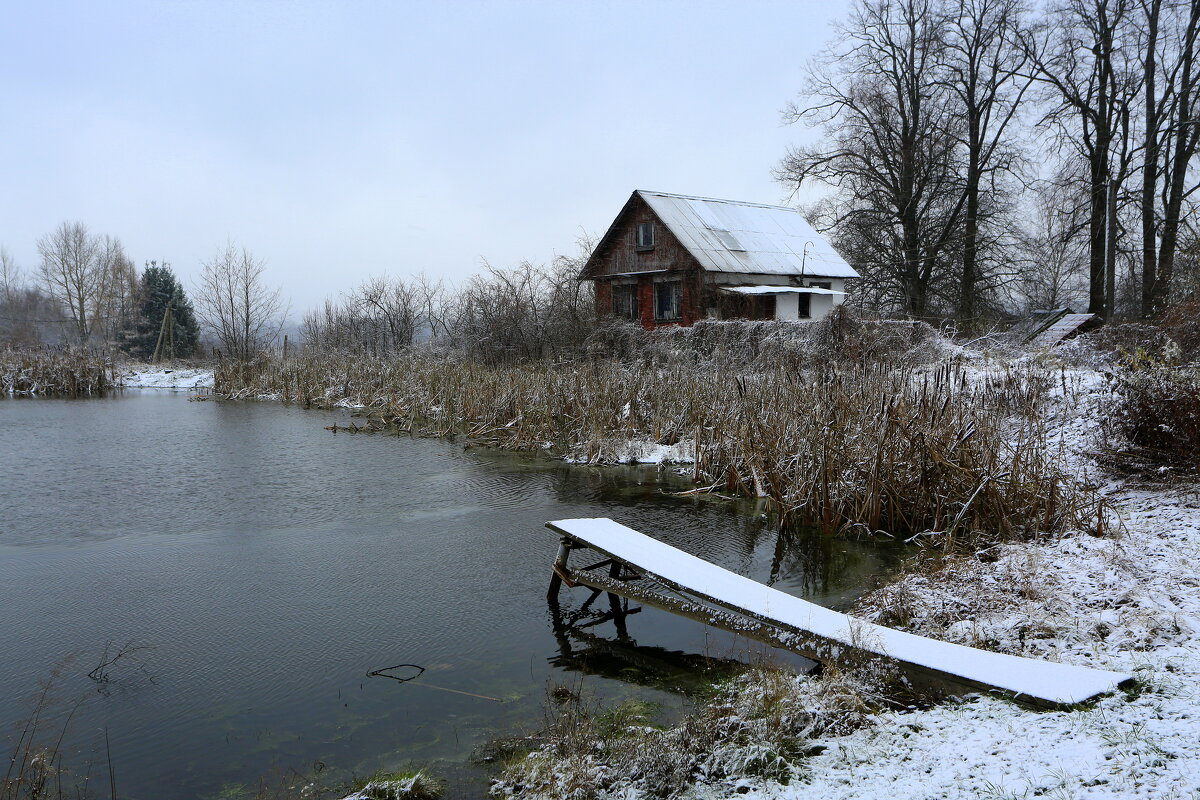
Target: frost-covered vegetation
[(758, 726), (50, 372), (838, 429), (1125, 601)]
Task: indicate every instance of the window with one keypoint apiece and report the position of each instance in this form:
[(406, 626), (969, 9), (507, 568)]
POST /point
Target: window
[(625, 300), (645, 236), (668, 300), (804, 306), (763, 307), (820, 284)]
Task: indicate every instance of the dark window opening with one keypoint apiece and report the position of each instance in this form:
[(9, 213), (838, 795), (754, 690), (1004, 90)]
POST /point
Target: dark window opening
[(805, 305), (763, 307), (645, 236), (625, 300), (820, 284), (668, 300)]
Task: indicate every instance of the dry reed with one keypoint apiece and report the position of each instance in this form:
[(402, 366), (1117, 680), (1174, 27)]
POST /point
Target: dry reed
[(43, 373), (902, 450)]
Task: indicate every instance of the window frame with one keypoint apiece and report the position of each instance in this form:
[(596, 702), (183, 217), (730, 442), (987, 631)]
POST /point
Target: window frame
[(630, 290), (644, 242), (676, 285), (804, 305)]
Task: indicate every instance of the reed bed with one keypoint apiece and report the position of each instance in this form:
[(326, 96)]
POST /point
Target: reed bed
[(44, 373), (938, 451)]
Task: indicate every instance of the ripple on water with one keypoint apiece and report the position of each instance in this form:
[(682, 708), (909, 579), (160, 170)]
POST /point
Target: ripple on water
[(272, 564)]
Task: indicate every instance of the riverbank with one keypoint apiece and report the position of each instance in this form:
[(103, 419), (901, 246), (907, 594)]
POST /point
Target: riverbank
[(1126, 601), (156, 376)]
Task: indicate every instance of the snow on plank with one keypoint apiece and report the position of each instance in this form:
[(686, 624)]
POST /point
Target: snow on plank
[(1031, 680)]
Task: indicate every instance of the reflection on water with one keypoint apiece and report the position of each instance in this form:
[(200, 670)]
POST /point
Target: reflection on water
[(272, 564)]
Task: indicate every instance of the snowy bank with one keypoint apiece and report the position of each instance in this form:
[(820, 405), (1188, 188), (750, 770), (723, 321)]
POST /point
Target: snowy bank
[(1129, 602), (147, 376)]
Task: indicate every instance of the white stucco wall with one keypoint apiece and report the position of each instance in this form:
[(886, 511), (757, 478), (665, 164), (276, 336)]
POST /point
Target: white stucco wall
[(787, 306)]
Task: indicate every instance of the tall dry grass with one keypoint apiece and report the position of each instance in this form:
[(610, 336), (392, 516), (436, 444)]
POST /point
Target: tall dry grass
[(71, 373), (903, 450)]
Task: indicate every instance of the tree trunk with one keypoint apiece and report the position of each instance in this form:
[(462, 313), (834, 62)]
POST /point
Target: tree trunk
[(1150, 292)]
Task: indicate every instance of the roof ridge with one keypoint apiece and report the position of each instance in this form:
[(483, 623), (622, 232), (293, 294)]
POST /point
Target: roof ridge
[(717, 200)]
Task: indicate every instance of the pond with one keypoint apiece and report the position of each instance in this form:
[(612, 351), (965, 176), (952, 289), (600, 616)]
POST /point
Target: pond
[(259, 566)]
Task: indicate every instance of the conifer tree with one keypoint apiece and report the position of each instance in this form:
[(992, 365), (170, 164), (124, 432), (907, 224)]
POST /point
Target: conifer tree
[(161, 290)]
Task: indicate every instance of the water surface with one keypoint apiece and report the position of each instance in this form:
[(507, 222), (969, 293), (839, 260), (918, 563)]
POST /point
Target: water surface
[(271, 564)]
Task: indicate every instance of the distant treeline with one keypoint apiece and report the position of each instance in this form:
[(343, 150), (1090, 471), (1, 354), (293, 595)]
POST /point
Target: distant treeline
[(87, 291), (500, 316)]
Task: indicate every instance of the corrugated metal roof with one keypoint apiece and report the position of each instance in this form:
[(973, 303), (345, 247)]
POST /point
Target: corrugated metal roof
[(771, 238), (1064, 327)]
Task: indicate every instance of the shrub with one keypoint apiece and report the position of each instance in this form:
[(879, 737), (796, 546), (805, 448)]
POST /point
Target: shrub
[(1182, 323), (1158, 411)]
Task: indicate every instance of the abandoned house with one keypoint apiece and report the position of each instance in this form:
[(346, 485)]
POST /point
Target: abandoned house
[(669, 259)]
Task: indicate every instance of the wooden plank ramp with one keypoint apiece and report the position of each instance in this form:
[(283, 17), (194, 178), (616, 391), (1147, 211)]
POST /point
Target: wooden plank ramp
[(645, 569)]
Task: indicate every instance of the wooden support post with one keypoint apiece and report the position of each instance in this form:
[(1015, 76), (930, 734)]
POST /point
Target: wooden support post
[(560, 566), (614, 602)]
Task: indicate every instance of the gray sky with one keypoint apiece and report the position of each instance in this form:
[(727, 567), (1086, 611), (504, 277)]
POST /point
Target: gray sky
[(343, 140)]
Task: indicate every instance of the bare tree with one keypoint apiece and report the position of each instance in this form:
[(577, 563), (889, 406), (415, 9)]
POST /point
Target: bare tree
[(11, 279), (1170, 57), (892, 131), (984, 64), (1052, 249), (114, 297), (70, 271), (236, 304), (1084, 56)]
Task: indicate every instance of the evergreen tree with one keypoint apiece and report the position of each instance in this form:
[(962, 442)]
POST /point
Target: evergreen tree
[(160, 290)]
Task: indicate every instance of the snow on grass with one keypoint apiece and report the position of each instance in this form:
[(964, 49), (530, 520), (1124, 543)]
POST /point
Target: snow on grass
[(148, 376), (1127, 602)]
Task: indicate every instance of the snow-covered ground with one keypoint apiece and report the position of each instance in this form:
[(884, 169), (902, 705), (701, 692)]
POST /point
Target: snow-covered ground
[(1128, 602), (148, 376)]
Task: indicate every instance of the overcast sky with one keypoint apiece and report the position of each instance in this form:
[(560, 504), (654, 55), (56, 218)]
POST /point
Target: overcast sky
[(342, 140)]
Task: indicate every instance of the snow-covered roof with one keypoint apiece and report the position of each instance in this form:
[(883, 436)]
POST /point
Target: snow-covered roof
[(727, 236), (778, 290)]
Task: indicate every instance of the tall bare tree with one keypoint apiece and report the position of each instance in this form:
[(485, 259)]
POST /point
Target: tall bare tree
[(71, 272), (1083, 55), (11, 279), (891, 136), (984, 66), (235, 303), (1170, 54)]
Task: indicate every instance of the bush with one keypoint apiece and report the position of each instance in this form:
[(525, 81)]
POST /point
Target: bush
[(1113, 345), (1182, 323), (843, 336), (1158, 411)]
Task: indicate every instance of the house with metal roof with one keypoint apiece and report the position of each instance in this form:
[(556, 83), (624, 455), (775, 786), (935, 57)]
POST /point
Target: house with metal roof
[(670, 259)]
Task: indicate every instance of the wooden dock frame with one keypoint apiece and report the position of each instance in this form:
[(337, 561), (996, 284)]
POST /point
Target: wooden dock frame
[(624, 580)]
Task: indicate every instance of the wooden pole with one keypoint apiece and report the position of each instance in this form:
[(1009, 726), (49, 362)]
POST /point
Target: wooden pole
[(162, 329), (171, 330), (560, 565)]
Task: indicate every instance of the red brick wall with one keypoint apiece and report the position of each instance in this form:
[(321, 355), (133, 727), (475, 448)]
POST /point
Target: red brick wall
[(603, 297)]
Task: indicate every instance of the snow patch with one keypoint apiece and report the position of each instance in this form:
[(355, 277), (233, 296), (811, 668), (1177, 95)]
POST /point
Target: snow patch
[(146, 376)]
